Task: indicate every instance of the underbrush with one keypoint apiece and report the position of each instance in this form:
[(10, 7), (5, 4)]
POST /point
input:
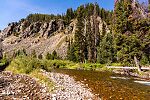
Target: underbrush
[(26, 64), (3, 63), (32, 67), (23, 65)]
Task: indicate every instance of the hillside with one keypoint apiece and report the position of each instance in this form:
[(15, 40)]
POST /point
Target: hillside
[(41, 34), (88, 33)]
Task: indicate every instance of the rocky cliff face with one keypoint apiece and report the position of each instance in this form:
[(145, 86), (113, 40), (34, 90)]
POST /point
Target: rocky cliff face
[(1, 48), (26, 29), (42, 37)]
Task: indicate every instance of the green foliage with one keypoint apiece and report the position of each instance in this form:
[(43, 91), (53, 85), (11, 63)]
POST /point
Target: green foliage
[(131, 46), (24, 64), (16, 34), (122, 12), (19, 52), (27, 64), (71, 65), (42, 17), (40, 56), (84, 47), (145, 60), (69, 15), (31, 66), (131, 36), (79, 43), (71, 52), (106, 50), (4, 62), (48, 56), (52, 56)]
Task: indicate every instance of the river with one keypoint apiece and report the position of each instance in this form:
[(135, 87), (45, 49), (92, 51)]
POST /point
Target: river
[(111, 86)]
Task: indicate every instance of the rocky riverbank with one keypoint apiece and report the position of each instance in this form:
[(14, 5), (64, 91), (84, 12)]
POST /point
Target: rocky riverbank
[(21, 87), (16, 87), (66, 88)]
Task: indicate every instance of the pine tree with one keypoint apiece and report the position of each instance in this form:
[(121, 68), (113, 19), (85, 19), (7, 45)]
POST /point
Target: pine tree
[(71, 52), (96, 34), (90, 40), (105, 49), (79, 36), (40, 56), (54, 55), (48, 56), (69, 15)]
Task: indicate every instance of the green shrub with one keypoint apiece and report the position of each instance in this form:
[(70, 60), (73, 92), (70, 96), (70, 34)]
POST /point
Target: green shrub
[(48, 56), (31, 66), (52, 56), (4, 62), (46, 65), (144, 60), (40, 56), (24, 64)]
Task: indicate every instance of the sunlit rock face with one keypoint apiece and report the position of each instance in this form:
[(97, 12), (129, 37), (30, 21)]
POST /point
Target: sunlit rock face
[(1, 55), (43, 37)]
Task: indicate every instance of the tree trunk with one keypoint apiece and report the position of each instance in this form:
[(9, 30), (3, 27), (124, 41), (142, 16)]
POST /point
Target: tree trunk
[(137, 64)]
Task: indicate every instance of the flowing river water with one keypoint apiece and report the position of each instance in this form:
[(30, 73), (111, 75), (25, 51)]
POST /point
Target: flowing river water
[(110, 86)]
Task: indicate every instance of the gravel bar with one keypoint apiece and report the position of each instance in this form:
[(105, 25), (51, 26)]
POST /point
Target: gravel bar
[(23, 87)]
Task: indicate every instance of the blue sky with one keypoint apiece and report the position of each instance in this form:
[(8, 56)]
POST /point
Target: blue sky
[(14, 10)]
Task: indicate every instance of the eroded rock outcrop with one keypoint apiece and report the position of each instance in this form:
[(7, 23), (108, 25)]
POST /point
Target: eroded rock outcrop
[(8, 31), (26, 29), (1, 50), (42, 37)]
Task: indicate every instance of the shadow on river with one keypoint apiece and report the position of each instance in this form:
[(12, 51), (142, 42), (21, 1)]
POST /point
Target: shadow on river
[(110, 86)]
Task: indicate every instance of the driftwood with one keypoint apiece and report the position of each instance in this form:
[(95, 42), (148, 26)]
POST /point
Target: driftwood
[(137, 64), (127, 67), (138, 67)]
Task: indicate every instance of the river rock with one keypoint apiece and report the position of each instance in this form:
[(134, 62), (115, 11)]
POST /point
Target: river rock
[(68, 89)]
